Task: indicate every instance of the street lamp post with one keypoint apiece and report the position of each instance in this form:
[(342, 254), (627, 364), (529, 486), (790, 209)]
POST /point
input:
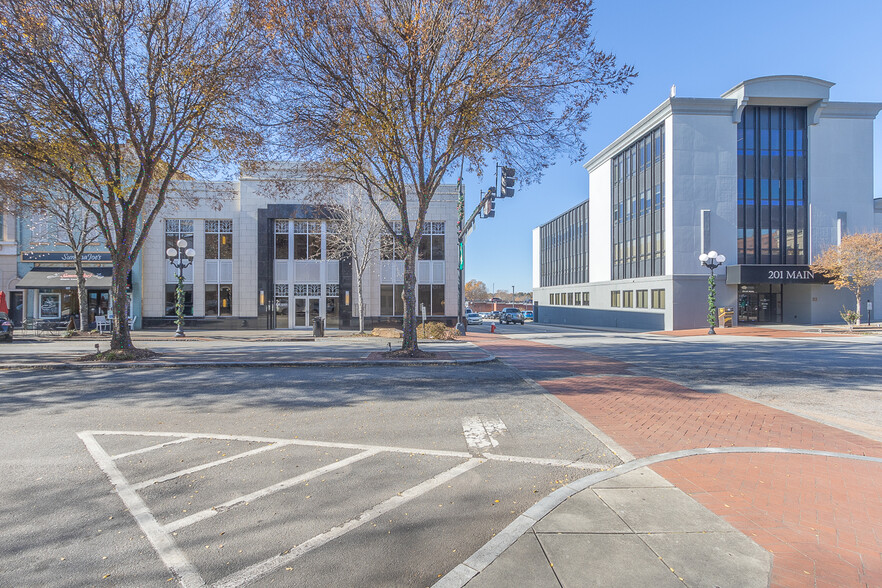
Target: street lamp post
[(711, 260), (176, 257)]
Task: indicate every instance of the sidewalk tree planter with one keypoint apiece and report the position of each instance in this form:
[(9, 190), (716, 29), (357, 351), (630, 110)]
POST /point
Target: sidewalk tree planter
[(396, 97)]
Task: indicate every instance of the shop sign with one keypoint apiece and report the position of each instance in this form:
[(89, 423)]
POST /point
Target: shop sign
[(56, 256), (773, 274)]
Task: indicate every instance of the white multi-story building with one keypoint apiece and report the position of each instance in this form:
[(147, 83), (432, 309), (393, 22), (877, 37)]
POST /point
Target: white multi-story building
[(263, 261), (770, 174)]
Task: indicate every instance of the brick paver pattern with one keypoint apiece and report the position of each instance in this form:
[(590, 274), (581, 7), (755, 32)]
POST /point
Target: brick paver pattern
[(820, 517)]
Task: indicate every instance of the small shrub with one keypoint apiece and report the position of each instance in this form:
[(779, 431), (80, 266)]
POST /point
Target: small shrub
[(849, 316), (436, 330)]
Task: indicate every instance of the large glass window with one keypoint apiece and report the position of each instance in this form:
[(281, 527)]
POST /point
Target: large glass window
[(772, 191), (176, 229), (638, 199), (307, 240), (390, 247), (391, 303), (433, 297), (432, 241), (218, 267), (563, 249), (170, 298)]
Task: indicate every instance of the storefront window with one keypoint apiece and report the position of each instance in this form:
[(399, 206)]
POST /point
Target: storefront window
[(50, 306), (218, 267)]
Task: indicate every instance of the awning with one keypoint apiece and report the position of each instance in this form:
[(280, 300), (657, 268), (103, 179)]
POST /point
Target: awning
[(65, 277)]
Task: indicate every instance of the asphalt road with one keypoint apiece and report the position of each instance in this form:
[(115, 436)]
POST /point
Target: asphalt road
[(834, 380), (321, 476)]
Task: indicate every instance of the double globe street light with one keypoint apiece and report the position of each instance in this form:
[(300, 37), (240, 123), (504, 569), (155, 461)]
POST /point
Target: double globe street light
[(712, 260), (177, 258)]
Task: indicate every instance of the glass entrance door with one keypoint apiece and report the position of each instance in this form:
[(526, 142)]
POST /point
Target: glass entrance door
[(305, 310)]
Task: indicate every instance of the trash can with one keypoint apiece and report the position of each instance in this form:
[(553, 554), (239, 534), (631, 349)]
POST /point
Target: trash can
[(318, 327), (726, 316)]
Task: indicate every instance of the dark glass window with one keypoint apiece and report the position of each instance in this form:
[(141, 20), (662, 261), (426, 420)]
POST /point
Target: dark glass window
[(563, 249), (638, 199), (170, 298), (772, 199)]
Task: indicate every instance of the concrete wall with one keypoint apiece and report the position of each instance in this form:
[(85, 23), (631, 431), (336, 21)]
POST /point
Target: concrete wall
[(600, 223)]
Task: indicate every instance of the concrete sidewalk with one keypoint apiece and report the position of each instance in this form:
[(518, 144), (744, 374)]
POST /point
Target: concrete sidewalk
[(750, 495), (232, 349)]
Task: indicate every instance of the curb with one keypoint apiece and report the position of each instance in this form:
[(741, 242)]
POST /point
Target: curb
[(490, 551), (248, 364)]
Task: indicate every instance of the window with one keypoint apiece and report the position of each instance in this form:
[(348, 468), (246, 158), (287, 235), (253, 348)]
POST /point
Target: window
[(432, 241), (641, 298), (563, 249), (570, 298), (578, 299), (218, 268), (390, 247), (772, 190), (658, 298), (50, 306), (170, 299), (433, 297), (628, 299), (615, 298), (307, 239), (175, 230), (638, 208), (281, 232), (585, 299), (391, 303)]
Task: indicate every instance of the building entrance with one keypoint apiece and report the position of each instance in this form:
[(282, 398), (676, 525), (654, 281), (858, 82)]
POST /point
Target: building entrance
[(305, 311), (760, 303)]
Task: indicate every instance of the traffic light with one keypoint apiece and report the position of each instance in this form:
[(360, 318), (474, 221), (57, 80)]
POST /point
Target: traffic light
[(490, 203), (507, 182)]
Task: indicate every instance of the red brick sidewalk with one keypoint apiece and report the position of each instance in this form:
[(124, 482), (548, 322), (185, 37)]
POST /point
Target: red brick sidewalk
[(821, 517)]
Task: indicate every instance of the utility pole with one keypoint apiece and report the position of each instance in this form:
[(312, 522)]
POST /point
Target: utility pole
[(512, 295)]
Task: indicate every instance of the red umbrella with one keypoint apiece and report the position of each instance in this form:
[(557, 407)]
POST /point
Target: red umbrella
[(3, 306)]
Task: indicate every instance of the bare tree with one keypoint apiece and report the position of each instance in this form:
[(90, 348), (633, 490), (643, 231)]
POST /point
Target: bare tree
[(396, 95), (356, 234), (112, 99), (76, 229), (854, 264)]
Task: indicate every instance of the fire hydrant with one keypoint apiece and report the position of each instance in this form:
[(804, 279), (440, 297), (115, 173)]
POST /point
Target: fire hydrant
[(493, 328)]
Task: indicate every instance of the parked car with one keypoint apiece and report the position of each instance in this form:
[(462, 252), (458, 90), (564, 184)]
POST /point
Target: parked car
[(528, 315), (473, 318), (7, 329), (511, 315), (495, 314)]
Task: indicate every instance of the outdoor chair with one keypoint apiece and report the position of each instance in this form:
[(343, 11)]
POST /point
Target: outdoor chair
[(102, 324)]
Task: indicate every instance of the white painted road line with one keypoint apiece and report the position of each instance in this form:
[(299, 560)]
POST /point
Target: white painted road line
[(244, 500), (151, 448), (582, 465), (261, 569), (162, 542), (304, 442), (479, 433), (205, 466)]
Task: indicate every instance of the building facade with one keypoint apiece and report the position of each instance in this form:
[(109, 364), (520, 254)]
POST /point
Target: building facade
[(770, 174), (263, 260)]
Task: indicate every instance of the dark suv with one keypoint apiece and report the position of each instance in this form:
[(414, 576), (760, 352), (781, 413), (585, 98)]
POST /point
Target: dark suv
[(511, 315)]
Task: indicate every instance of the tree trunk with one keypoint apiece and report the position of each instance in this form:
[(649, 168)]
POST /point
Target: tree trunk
[(120, 338), (857, 307), (409, 325), (82, 295), (359, 281)]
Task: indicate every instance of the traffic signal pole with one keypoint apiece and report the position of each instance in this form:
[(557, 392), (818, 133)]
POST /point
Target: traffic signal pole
[(486, 204)]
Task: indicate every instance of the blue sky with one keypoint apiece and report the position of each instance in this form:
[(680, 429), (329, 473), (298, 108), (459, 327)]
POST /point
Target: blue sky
[(705, 48)]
